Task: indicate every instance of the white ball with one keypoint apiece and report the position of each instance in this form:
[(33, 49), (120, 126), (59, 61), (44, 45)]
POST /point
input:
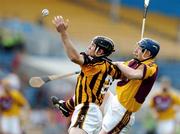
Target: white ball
[(45, 12)]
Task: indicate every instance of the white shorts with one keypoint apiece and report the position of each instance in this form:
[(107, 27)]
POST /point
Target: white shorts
[(117, 119), (87, 117), (10, 125), (166, 127), (107, 103)]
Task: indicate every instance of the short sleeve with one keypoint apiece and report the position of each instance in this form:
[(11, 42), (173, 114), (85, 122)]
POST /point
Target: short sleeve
[(115, 72), (87, 60), (148, 71), (19, 98), (176, 98)]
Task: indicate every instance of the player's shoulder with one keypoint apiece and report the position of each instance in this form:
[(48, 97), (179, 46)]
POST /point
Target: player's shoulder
[(15, 92), (151, 65)]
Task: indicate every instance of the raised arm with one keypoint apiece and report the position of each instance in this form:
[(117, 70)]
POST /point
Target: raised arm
[(72, 53), (130, 73)]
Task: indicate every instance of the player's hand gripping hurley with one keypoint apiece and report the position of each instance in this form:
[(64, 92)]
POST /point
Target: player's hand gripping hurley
[(146, 4), (40, 81)]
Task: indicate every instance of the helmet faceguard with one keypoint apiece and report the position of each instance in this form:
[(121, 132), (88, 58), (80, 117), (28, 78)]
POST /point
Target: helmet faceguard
[(104, 43)]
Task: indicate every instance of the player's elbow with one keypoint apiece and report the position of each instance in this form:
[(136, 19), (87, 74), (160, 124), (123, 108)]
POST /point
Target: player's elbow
[(77, 60), (74, 60), (73, 57)]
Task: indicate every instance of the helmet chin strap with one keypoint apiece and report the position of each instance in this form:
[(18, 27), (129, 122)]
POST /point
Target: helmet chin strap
[(99, 55), (144, 59), (103, 56), (96, 51), (144, 54)]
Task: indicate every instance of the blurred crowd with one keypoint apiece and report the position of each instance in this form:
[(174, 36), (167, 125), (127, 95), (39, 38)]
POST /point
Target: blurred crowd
[(23, 109)]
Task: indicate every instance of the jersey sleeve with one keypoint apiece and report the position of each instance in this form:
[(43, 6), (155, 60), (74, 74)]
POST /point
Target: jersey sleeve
[(176, 99), (87, 60), (115, 72), (149, 71), (18, 98)]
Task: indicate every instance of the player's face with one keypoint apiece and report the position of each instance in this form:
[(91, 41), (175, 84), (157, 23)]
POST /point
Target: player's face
[(138, 52), (141, 54), (91, 49)]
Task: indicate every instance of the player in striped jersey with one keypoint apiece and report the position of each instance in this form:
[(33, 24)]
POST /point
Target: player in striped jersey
[(97, 73), (137, 79)]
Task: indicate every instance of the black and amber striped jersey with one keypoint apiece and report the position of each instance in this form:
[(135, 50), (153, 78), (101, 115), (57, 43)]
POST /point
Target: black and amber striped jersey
[(97, 74)]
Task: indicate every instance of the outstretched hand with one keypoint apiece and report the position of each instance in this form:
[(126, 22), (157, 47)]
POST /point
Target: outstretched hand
[(60, 24)]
